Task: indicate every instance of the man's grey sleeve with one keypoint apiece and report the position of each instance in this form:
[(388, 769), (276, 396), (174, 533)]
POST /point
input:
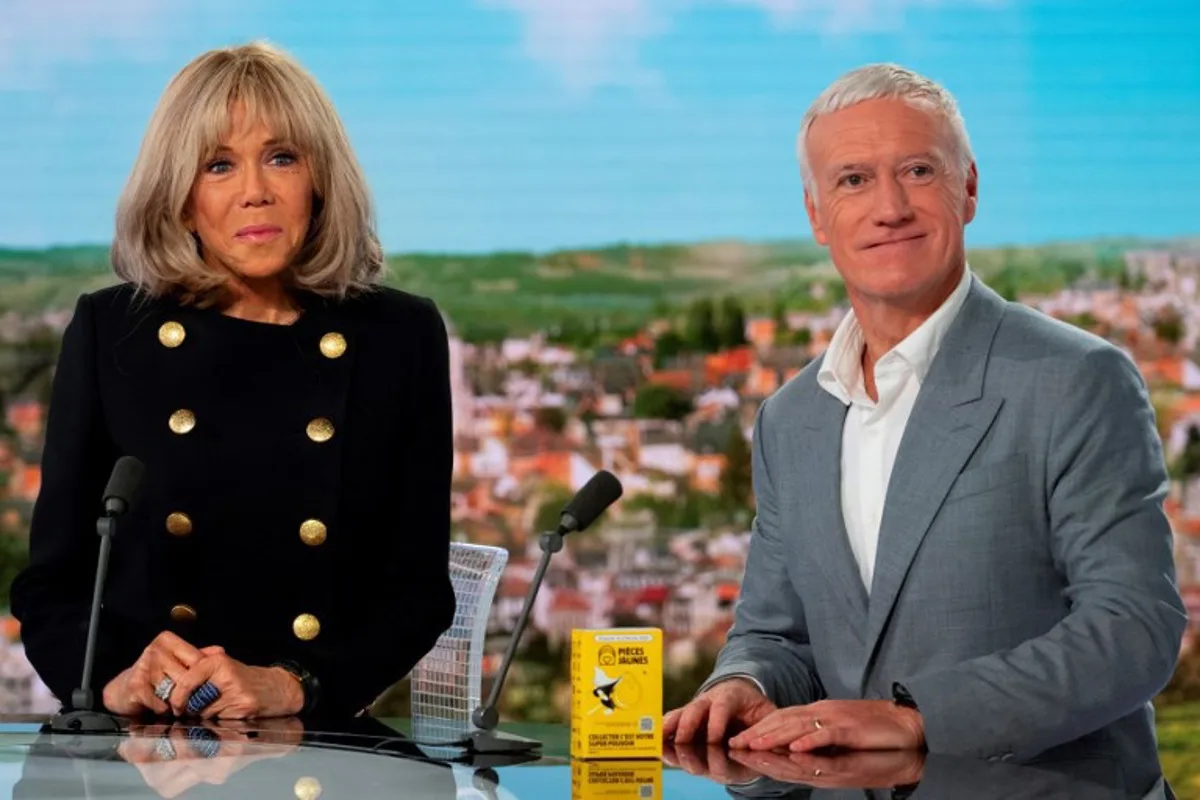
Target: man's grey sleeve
[(711, 682), (768, 642), (1119, 643)]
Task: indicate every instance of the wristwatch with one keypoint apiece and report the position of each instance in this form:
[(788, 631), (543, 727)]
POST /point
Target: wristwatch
[(308, 684), (901, 696)]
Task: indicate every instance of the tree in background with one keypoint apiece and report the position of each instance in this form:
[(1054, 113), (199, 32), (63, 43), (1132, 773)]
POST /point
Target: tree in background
[(553, 497), (687, 509), (483, 332), (801, 337), (1168, 326), (550, 418), (701, 334), (657, 401), (668, 346), (736, 482), (731, 331), (1187, 464), (1084, 320), (14, 555), (779, 315)]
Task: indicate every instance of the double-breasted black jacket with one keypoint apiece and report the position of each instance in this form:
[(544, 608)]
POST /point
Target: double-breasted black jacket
[(296, 498)]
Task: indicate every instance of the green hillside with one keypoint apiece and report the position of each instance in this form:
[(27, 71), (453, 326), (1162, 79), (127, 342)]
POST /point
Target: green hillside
[(619, 285)]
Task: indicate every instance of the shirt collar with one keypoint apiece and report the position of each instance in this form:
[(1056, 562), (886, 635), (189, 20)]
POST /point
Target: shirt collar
[(841, 371)]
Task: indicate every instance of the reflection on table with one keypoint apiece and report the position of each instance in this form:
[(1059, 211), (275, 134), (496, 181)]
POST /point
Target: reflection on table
[(366, 758), (893, 774), (267, 758)]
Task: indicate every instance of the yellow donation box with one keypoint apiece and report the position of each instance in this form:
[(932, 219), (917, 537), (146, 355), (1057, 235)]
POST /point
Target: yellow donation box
[(616, 693)]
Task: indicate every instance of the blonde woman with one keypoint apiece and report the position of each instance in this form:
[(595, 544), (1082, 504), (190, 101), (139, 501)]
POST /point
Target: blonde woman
[(289, 553)]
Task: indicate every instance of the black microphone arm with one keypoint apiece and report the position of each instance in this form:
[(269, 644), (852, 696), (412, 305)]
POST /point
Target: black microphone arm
[(119, 497), (601, 491)]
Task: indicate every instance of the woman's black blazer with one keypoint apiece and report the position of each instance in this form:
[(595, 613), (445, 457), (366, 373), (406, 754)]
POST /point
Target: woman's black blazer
[(296, 500)]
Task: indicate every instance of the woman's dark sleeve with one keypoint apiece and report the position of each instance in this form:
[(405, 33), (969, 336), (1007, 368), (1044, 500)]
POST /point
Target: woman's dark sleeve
[(52, 596), (412, 600)]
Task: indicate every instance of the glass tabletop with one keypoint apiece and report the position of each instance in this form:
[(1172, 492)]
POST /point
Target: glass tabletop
[(368, 758)]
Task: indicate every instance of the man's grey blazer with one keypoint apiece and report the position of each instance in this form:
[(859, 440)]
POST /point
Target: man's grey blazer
[(1024, 590)]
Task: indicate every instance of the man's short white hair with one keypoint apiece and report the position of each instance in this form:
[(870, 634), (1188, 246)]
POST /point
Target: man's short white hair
[(876, 81)]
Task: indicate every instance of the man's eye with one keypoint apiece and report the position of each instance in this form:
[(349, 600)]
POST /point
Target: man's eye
[(922, 170), (853, 180)]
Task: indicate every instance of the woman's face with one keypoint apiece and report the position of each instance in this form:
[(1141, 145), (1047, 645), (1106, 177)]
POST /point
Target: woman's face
[(251, 203)]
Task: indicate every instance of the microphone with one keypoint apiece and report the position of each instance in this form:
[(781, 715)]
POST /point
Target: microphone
[(119, 496), (600, 492), (124, 486)]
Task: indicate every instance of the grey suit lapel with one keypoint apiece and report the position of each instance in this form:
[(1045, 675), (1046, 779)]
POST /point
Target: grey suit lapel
[(949, 419), (821, 502)]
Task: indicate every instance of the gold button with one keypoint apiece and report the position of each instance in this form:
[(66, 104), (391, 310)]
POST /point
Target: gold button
[(333, 345), (320, 430), (182, 421), (179, 524), (312, 532), (306, 627), (183, 613), (308, 788), (171, 334)]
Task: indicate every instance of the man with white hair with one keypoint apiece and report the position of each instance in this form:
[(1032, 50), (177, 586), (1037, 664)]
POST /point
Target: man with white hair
[(959, 542)]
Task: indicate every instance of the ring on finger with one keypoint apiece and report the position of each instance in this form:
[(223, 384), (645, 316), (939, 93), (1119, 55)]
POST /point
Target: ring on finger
[(164, 688), (164, 749), (203, 697), (817, 723)]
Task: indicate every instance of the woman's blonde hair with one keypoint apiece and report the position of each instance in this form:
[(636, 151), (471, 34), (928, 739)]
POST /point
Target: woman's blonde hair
[(154, 249)]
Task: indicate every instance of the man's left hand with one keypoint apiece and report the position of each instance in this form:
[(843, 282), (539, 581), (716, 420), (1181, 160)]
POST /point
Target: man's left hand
[(246, 692), (850, 769), (710, 761), (853, 724)]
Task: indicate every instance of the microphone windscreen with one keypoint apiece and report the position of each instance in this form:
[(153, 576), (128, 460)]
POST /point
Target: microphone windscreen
[(125, 481), (596, 495)]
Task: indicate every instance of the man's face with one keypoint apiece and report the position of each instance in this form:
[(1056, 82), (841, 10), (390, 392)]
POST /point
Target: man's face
[(891, 201)]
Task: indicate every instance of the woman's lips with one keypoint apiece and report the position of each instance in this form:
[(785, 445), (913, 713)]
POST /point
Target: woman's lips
[(258, 233)]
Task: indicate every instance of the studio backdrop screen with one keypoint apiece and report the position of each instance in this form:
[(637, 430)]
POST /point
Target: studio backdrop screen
[(604, 200)]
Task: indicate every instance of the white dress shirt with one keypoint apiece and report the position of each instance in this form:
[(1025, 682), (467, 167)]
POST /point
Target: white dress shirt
[(872, 431)]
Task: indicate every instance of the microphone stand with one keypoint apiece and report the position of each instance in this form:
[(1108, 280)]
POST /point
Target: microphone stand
[(487, 739), (83, 718), (601, 491)]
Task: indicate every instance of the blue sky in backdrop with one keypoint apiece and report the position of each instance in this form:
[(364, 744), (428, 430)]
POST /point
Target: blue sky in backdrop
[(536, 124)]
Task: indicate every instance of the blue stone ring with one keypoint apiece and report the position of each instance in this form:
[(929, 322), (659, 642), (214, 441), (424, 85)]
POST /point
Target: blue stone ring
[(202, 698), (204, 742)]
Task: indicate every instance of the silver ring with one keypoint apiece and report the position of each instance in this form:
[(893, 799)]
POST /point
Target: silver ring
[(164, 688), (817, 723), (164, 749)]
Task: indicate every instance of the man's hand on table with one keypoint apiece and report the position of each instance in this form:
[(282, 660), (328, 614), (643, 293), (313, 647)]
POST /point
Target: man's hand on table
[(730, 705), (847, 769), (851, 724)]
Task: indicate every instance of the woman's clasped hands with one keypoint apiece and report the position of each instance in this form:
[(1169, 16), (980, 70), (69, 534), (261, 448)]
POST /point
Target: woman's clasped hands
[(170, 671)]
